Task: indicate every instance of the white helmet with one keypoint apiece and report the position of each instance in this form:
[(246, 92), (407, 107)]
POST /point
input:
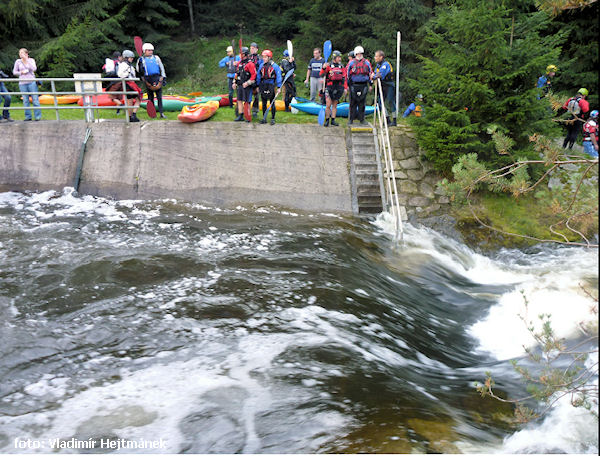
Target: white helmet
[(359, 50), (147, 46)]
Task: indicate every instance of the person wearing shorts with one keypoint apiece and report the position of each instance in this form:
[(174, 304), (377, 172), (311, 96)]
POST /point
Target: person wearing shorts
[(335, 79)]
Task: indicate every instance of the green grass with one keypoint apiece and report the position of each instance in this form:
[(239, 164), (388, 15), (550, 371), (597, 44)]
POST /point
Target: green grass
[(526, 215), (223, 114)]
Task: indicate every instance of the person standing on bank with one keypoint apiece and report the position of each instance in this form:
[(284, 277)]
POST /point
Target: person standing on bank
[(152, 72), (385, 73), (287, 64), (229, 62), (126, 69), (25, 69), (590, 135), (351, 106), (269, 75), (359, 76), (312, 74), (4, 97), (578, 107), (256, 60), (335, 80), (245, 78)]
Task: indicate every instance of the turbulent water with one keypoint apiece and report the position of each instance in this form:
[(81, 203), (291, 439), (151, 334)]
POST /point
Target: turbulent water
[(263, 330)]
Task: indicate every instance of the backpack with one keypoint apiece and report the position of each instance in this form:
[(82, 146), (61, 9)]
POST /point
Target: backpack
[(573, 106)]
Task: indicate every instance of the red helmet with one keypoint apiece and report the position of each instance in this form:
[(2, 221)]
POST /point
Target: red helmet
[(267, 53)]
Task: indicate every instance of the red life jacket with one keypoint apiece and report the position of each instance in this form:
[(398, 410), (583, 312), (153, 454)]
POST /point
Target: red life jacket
[(242, 75), (335, 74), (267, 72), (360, 67), (590, 128)]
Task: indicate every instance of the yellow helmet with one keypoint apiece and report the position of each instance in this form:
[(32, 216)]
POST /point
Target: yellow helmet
[(551, 68), (583, 91)]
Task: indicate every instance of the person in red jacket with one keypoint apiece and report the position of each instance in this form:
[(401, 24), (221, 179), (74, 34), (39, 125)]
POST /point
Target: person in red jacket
[(335, 79), (578, 107), (245, 79)]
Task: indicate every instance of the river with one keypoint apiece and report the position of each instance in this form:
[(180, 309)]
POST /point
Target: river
[(264, 330)]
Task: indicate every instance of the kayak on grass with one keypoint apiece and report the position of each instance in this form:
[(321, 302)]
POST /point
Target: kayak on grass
[(279, 105), (173, 103), (60, 99), (99, 100), (198, 112), (311, 107)]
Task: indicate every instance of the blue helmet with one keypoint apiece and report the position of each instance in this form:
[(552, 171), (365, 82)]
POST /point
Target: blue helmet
[(286, 53), (594, 113)]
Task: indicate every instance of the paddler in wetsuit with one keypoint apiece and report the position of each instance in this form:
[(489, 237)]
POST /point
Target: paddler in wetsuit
[(229, 62), (268, 76), (287, 64), (245, 79), (255, 59), (335, 78), (152, 72)]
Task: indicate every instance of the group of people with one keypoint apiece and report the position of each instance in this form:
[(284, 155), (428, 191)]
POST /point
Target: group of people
[(151, 71), (580, 118), (252, 76)]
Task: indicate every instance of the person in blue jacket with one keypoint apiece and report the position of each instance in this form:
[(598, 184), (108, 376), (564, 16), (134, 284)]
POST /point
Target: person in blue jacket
[(415, 108), (384, 71), (267, 77), (544, 82), (229, 62)]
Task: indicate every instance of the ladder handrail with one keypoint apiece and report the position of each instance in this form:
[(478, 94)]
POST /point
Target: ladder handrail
[(380, 114)]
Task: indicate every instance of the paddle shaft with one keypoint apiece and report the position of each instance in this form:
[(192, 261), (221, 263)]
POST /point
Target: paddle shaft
[(287, 76)]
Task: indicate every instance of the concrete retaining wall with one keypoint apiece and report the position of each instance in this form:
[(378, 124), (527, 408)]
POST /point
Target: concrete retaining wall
[(224, 163)]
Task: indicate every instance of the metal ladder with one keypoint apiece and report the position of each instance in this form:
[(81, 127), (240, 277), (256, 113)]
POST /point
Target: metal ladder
[(390, 195)]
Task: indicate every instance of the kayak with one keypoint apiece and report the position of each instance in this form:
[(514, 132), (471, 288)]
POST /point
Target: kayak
[(176, 102), (225, 100), (198, 112), (99, 100), (342, 108), (60, 99), (279, 105)]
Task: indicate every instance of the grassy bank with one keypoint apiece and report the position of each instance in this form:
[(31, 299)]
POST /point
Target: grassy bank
[(525, 216)]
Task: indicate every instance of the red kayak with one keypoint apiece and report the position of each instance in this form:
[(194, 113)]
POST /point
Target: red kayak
[(198, 112), (225, 100)]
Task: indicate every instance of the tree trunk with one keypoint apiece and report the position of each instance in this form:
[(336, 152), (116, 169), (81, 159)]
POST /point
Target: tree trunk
[(191, 11)]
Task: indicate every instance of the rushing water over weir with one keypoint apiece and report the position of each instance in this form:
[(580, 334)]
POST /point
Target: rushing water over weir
[(262, 330)]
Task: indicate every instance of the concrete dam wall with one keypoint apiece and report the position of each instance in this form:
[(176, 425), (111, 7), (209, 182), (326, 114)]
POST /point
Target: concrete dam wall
[(223, 163), (304, 167)]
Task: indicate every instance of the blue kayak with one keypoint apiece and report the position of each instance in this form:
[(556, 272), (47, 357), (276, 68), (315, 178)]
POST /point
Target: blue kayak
[(314, 108)]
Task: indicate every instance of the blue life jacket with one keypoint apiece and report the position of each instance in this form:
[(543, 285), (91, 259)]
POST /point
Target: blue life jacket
[(151, 66)]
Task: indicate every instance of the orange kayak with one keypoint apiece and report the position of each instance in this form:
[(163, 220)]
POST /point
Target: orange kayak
[(279, 105), (60, 99), (198, 112)]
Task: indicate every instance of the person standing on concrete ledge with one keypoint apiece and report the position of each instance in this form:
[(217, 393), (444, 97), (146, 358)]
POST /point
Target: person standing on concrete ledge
[(152, 71), (385, 73), (314, 69), (228, 62), (25, 69), (127, 70), (269, 75), (359, 75), (6, 98), (335, 79), (287, 64), (245, 79), (255, 59)]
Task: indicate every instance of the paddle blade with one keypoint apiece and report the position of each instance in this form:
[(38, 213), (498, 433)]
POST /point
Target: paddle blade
[(322, 116), (151, 110), (290, 48), (267, 111), (327, 49), (247, 114), (137, 40), (240, 43)]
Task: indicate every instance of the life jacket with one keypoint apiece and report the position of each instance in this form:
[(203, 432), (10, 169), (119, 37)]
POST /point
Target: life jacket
[(360, 70), (573, 105), (242, 75), (230, 65), (255, 59), (590, 128), (389, 78), (286, 65), (151, 66), (267, 72), (335, 74), (111, 73), (418, 111)]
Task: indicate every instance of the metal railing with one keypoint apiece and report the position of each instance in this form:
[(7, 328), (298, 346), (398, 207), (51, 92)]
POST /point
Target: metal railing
[(89, 92), (392, 202)]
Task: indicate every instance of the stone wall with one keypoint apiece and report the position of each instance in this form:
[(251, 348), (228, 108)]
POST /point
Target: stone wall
[(415, 178)]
